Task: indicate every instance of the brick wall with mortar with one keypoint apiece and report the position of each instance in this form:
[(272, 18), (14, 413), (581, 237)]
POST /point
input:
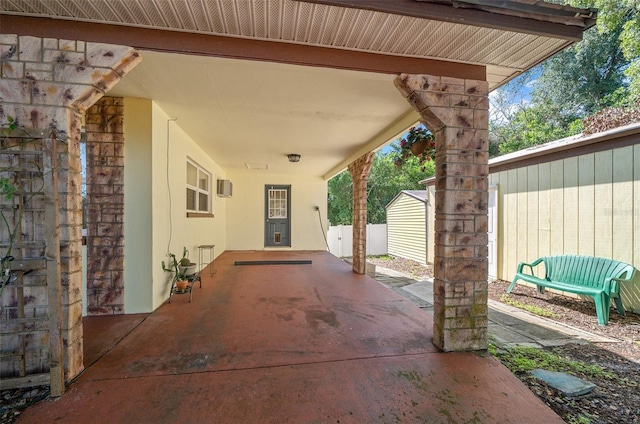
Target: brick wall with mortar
[(105, 207), (46, 85), (359, 171), (456, 112)]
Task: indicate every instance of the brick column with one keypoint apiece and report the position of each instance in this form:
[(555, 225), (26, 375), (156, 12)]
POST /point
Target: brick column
[(456, 111), (359, 171), (105, 206), (46, 85)]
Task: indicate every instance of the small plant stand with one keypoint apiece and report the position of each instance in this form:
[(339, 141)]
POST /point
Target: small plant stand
[(189, 289), (201, 249)]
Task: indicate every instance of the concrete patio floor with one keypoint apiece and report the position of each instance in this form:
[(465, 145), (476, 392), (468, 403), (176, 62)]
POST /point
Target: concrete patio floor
[(284, 344)]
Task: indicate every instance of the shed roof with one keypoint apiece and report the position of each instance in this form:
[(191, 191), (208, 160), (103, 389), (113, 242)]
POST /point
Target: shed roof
[(419, 195)]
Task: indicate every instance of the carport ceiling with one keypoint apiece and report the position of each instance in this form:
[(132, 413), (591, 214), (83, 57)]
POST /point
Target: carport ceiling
[(210, 63)]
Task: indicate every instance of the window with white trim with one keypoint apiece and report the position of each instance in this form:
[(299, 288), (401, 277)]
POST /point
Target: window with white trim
[(198, 188)]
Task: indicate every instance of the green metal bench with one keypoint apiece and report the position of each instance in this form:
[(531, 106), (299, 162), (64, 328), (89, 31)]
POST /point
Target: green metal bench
[(599, 278)]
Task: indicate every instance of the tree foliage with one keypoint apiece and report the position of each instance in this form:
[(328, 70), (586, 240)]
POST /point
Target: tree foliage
[(550, 101), (386, 180), (583, 78), (622, 16), (340, 199)]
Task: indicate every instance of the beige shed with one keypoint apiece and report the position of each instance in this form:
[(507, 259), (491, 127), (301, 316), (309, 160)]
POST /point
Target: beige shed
[(578, 195), (407, 226)]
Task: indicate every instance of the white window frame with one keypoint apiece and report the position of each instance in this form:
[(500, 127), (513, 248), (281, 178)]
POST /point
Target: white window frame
[(199, 171)]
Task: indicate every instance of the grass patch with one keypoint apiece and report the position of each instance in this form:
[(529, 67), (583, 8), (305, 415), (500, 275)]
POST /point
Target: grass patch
[(381, 257), (522, 359), (529, 308), (580, 419)]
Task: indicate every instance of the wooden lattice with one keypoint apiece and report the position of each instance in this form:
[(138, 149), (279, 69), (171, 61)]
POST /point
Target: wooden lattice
[(30, 349)]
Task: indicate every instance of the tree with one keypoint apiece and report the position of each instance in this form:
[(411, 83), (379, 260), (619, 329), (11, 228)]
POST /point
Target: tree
[(549, 101), (386, 180), (532, 125), (623, 16), (340, 199), (583, 79)]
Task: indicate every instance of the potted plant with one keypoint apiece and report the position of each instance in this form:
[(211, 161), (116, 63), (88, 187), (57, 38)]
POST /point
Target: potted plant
[(418, 142), (180, 268), (186, 266)]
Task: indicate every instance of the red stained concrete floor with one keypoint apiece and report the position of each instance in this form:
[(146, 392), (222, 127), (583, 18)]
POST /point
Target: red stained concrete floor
[(285, 344)]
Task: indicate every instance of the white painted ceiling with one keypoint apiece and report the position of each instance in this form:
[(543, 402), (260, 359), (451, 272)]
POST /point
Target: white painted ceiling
[(257, 112)]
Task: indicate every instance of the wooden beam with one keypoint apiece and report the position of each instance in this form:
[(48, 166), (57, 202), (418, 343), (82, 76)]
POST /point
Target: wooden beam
[(464, 16), (28, 264), (28, 381), (236, 48), (54, 274)]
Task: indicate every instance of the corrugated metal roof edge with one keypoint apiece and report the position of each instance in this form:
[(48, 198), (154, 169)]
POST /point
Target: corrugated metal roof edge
[(558, 146)]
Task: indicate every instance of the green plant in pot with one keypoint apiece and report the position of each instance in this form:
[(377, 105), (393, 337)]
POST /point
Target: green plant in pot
[(186, 266), (181, 269)]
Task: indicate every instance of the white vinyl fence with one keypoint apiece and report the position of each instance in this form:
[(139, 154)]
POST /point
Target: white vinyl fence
[(340, 240)]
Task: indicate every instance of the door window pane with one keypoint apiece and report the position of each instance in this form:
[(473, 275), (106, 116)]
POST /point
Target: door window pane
[(278, 203)]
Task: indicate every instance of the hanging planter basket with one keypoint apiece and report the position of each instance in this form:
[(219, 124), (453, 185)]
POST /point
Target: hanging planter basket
[(418, 142), (419, 147)]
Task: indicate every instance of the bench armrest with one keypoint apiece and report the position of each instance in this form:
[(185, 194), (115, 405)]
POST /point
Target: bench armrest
[(521, 266), (612, 284)]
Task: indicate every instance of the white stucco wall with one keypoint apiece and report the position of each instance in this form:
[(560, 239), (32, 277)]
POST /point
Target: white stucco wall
[(155, 217), (245, 210), (138, 259), (152, 201), (172, 229)]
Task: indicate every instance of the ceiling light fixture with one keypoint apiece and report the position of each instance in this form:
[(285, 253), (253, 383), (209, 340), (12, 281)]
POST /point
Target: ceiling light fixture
[(293, 157)]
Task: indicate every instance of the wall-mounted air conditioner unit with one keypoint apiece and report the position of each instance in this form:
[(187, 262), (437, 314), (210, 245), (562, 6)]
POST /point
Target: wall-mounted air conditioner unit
[(225, 188)]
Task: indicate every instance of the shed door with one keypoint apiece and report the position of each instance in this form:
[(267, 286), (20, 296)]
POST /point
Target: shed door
[(277, 216), (493, 231)]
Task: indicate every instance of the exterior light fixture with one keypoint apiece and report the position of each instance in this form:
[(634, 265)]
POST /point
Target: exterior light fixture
[(293, 157)]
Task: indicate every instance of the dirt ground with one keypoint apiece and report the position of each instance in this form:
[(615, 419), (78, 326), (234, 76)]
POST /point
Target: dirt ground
[(616, 398)]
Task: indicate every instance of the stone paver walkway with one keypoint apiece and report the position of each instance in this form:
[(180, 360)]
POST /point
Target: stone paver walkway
[(508, 326)]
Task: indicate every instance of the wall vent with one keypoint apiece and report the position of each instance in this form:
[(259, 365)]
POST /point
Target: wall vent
[(225, 188)]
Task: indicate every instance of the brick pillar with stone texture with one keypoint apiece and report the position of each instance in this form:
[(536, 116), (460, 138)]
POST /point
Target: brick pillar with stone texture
[(359, 171), (46, 85), (105, 207), (456, 112)]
